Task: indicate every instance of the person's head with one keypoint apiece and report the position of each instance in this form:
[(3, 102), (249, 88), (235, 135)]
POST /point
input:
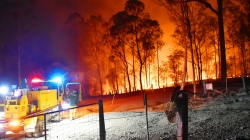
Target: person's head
[(74, 90), (67, 90)]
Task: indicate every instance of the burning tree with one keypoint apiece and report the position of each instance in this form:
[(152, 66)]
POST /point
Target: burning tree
[(138, 37)]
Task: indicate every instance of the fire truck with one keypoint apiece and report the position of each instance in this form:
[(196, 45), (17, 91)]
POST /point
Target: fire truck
[(20, 108)]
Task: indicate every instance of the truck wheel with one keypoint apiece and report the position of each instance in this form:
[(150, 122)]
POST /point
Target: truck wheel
[(37, 134), (38, 129), (29, 134), (2, 134)]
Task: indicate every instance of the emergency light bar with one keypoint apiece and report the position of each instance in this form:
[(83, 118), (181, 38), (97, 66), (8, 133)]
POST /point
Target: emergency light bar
[(36, 80), (57, 80)]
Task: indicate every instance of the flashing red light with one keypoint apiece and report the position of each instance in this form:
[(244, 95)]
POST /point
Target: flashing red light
[(36, 80)]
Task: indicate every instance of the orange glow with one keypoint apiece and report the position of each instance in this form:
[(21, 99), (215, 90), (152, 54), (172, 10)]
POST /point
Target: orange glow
[(15, 123)]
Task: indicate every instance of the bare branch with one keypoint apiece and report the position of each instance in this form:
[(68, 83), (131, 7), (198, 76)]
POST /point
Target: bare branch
[(208, 5)]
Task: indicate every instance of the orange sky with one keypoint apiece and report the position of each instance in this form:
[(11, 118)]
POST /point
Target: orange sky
[(57, 11)]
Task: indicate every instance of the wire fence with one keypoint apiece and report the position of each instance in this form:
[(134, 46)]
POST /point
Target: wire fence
[(48, 126), (84, 126), (88, 124)]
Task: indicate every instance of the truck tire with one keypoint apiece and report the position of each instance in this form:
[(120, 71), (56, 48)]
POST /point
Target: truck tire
[(38, 129), (29, 134), (2, 135)]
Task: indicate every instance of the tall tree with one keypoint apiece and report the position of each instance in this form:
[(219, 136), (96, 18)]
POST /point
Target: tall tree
[(164, 71), (175, 60), (121, 39), (238, 29), (144, 31), (134, 28), (219, 14), (159, 44), (97, 53), (179, 14)]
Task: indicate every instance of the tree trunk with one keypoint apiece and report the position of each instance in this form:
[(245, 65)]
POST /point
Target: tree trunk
[(242, 49), (133, 55), (222, 43), (149, 78), (129, 83), (234, 62), (124, 80), (141, 78), (146, 74), (200, 66), (198, 58), (191, 46), (116, 79), (158, 72), (215, 61), (100, 78), (185, 53)]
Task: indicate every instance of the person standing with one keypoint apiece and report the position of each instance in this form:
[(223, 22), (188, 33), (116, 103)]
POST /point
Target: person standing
[(73, 101)]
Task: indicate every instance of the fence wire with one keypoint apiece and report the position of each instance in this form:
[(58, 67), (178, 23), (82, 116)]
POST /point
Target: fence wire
[(84, 127)]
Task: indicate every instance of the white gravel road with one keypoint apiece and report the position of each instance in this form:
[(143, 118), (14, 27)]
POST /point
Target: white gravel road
[(223, 118)]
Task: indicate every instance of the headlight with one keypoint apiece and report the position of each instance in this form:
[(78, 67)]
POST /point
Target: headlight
[(65, 106), (15, 123), (1, 126), (2, 115), (4, 89)]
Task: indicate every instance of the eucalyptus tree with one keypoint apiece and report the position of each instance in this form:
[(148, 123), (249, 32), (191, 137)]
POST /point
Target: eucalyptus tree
[(93, 53), (174, 62), (97, 53), (112, 79), (219, 14), (159, 44), (163, 73), (238, 29), (115, 72), (231, 66), (179, 15), (144, 31), (213, 40), (140, 34), (202, 33), (121, 42)]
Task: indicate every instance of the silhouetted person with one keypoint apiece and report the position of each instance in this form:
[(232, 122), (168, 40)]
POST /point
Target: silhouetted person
[(73, 101)]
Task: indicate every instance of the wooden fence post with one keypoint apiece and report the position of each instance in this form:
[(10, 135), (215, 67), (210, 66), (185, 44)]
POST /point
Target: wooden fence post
[(101, 121), (182, 130)]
